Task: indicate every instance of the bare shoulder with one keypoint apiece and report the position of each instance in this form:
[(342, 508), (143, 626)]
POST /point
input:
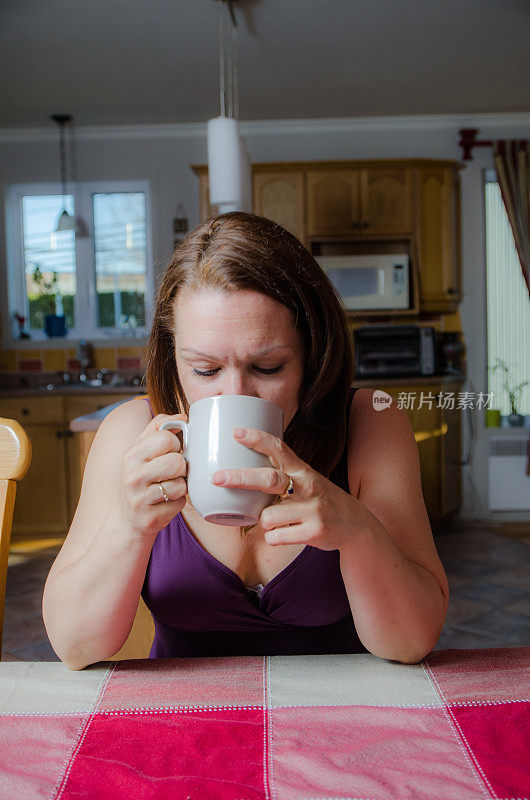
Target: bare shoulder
[(377, 431), (129, 418)]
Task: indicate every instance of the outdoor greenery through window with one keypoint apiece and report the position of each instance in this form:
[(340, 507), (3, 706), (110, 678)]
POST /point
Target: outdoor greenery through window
[(120, 253), (49, 260), (508, 309), (97, 278)]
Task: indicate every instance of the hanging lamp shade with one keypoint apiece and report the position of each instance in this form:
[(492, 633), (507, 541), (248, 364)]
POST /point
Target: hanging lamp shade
[(66, 222), (224, 163)]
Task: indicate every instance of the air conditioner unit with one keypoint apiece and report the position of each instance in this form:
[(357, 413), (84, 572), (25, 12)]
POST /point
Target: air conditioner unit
[(508, 483)]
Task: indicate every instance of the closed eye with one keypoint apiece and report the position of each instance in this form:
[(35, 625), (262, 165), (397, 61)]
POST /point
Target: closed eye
[(211, 372)]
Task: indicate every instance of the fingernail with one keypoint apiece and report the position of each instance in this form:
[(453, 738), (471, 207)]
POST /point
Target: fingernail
[(240, 433), (219, 477)]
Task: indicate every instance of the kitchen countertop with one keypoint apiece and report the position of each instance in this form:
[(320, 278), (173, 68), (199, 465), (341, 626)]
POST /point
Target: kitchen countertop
[(91, 422), (408, 380), (67, 391)]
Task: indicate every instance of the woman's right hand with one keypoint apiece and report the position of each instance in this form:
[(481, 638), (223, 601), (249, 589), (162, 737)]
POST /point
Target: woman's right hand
[(154, 458)]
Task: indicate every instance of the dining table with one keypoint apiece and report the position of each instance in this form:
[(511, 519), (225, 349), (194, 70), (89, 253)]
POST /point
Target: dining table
[(455, 726)]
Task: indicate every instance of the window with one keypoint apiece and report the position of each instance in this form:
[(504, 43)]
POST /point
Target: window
[(508, 307), (101, 278)]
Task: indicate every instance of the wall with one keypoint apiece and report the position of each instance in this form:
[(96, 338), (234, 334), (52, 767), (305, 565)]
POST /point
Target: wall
[(162, 155)]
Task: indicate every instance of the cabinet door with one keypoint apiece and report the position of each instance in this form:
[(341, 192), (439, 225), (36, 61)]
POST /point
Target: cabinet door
[(40, 505), (437, 238), (450, 456), (280, 196), (206, 211), (424, 423), (77, 445), (333, 202), (386, 201)]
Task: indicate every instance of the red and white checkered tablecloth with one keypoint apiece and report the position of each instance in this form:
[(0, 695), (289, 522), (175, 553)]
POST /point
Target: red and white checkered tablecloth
[(354, 727)]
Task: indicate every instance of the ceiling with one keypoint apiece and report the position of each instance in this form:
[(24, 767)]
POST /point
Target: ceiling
[(156, 61)]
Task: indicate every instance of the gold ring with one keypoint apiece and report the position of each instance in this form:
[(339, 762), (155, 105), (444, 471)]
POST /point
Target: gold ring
[(290, 489), (164, 493)]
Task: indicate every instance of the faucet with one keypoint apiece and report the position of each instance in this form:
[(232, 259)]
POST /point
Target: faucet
[(84, 355)]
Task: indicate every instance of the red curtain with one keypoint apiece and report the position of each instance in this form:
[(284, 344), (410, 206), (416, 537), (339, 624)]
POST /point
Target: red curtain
[(513, 173)]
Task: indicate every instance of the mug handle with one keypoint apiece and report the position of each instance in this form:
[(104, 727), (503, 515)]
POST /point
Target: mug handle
[(181, 425)]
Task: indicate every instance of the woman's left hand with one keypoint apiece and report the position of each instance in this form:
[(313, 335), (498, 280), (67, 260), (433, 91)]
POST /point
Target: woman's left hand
[(318, 512)]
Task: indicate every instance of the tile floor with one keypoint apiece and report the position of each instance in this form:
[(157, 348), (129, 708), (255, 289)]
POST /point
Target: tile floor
[(487, 568)]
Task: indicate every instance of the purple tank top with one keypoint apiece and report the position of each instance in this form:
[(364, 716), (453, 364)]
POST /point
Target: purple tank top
[(201, 608)]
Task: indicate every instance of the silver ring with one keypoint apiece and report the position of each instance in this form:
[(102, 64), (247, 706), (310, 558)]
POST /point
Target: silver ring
[(164, 493), (290, 489)]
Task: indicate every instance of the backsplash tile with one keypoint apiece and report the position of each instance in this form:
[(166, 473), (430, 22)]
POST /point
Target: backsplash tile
[(129, 362), (54, 360), (8, 360), (30, 365), (105, 358)]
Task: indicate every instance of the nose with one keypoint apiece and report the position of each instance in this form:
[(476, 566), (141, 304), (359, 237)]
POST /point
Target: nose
[(238, 382)]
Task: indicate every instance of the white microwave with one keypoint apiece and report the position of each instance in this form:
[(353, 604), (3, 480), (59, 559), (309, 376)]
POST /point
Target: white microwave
[(370, 282)]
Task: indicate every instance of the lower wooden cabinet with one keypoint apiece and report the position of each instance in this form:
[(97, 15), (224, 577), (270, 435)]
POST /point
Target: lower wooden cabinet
[(437, 432), (47, 497), (40, 499)]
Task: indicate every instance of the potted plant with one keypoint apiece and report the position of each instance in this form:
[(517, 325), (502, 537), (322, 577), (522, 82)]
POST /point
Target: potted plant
[(50, 303), (514, 392)]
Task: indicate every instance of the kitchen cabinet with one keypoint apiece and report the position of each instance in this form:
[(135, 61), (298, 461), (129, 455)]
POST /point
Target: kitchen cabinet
[(386, 201), (280, 196), (40, 503), (438, 237), (333, 202), (438, 437), (360, 202), (48, 496), (206, 209), (412, 203)]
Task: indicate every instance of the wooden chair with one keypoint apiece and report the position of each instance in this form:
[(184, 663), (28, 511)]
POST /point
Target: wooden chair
[(15, 458)]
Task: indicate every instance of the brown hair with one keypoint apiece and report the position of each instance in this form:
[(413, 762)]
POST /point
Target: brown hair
[(243, 251)]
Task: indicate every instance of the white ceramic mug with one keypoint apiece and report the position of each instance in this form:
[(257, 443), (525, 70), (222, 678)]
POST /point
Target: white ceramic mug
[(209, 445)]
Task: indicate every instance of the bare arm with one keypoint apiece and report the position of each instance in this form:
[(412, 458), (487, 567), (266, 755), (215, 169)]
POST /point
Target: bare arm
[(395, 582), (92, 592)]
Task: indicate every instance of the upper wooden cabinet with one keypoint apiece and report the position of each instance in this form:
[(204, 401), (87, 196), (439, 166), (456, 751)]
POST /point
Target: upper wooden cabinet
[(333, 202), (438, 237), (280, 196), (386, 201), (415, 201), (359, 202)]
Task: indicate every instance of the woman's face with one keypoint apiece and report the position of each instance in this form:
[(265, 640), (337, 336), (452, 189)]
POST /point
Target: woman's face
[(240, 342)]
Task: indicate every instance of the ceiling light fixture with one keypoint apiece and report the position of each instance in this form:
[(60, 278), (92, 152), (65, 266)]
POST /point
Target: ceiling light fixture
[(229, 174), (65, 221)]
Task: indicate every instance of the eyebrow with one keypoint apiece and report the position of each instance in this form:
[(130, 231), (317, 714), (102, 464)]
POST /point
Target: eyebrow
[(256, 355)]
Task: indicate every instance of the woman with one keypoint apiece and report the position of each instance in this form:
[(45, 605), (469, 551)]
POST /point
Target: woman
[(345, 562)]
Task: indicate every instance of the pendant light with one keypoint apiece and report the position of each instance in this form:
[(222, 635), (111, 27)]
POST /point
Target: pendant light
[(65, 221), (229, 173)]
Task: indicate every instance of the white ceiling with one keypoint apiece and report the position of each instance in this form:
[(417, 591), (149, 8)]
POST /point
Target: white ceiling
[(155, 61)]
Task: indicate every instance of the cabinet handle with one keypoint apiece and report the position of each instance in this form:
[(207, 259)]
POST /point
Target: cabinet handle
[(25, 411), (58, 434), (355, 226), (366, 225), (452, 290), (68, 434)]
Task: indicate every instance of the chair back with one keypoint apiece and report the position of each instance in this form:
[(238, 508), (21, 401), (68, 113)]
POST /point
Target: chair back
[(15, 458)]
